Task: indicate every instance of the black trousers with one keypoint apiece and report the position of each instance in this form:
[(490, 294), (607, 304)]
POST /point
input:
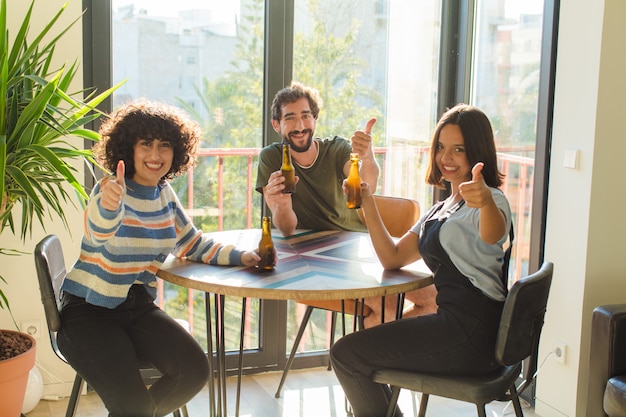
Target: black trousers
[(106, 346)]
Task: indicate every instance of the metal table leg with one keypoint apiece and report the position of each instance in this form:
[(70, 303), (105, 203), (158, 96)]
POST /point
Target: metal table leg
[(240, 367), (221, 352), (209, 338), (217, 369)]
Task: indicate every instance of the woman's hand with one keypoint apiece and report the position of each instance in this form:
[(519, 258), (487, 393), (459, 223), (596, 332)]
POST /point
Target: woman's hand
[(365, 189), (250, 258), (113, 190), (475, 192), (491, 223)]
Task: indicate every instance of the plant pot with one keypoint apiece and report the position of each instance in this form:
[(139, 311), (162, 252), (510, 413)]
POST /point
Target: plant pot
[(14, 378)]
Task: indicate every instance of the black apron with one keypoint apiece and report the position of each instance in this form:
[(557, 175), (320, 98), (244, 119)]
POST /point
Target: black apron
[(455, 292)]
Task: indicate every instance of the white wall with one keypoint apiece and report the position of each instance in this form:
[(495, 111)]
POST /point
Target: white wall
[(22, 289), (586, 223)]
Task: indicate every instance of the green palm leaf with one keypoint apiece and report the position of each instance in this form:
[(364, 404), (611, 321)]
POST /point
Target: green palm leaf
[(39, 118)]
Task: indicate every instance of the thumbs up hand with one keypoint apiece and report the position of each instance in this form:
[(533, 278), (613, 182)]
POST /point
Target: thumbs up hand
[(362, 140), (475, 192), (477, 172), (368, 127), (114, 189)]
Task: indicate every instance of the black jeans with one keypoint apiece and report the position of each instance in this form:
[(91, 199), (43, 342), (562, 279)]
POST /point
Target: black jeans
[(442, 343), (106, 347)]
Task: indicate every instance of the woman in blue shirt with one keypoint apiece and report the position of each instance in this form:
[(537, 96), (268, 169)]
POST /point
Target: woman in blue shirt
[(461, 240)]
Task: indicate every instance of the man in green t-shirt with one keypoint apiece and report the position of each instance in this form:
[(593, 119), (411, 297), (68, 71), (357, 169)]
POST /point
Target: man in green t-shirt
[(320, 166)]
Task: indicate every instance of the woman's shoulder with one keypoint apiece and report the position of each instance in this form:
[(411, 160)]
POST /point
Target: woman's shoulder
[(497, 192), (500, 199)]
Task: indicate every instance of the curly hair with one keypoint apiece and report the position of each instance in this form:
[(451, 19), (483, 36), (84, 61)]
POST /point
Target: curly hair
[(293, 93), (145, 119), (479, 141)]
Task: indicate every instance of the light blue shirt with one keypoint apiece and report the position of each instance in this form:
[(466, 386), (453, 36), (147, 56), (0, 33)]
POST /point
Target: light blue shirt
[(480, 262)]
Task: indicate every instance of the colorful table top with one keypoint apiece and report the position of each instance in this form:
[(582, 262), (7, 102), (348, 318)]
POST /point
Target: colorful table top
[(312, 265)]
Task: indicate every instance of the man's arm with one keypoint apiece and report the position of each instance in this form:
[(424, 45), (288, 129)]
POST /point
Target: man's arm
[(283, 216), (362, 145), (270, 183)]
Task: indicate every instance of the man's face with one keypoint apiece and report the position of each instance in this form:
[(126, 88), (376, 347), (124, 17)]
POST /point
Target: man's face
[(296, 125)]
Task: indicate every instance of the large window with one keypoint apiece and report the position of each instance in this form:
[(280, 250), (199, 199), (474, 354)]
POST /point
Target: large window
[(505, 83), (355, 53), (401, 61)]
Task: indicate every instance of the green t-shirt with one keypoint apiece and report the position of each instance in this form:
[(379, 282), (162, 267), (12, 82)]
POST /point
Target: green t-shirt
[(319, 202)]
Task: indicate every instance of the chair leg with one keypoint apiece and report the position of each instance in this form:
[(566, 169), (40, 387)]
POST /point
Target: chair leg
[(176, 413), (72, 405), (393, 401), (481, 410), (184, 411), (296, 343), (517, 407), (515, 400), (423, 405), (333, 326), (360, 317)]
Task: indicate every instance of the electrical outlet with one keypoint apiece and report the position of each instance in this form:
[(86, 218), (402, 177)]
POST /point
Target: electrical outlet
[(32, 327), (560, 350)]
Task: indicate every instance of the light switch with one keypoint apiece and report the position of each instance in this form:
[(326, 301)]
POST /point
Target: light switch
[(571, 158)]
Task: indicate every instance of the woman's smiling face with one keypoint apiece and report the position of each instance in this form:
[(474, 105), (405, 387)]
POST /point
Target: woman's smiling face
[(153, 160), (451, 158)]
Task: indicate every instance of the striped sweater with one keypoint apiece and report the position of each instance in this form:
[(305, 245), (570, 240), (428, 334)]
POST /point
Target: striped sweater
[(128, 246)]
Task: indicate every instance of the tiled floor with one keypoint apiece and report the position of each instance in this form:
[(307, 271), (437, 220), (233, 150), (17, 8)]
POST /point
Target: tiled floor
[(307, 393)]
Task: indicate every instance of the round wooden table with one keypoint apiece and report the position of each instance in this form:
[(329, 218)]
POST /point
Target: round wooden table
[(312, 265)]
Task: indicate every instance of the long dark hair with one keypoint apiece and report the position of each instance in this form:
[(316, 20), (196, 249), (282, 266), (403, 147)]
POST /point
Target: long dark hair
[(480, 145)]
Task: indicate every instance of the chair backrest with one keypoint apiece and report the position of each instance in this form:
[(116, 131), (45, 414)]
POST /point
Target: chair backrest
[(522, 319), (398, 214), (50, 265)]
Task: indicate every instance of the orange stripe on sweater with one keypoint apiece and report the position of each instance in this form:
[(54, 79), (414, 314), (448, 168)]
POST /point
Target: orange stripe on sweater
[(187, 248), (160, 225), (211, 253)]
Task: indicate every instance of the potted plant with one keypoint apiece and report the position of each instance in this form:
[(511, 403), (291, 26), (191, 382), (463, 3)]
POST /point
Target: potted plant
[(38, 119)]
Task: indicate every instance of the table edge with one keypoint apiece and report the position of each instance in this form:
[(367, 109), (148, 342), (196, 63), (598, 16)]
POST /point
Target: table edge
[(289, 294)]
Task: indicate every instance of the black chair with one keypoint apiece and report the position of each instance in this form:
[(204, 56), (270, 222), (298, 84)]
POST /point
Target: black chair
[(50, 265), (517, 345), (606, 393)]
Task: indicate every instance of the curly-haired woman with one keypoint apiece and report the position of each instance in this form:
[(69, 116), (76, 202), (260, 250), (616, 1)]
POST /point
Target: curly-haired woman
[(133, 220)]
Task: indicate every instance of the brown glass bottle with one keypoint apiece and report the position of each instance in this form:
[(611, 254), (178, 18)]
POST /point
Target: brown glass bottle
[(288, 171), (353, 184), (266, 246)]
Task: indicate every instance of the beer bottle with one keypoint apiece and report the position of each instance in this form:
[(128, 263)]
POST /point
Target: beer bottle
[(288, 171), (353, 184), (266, 246)]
